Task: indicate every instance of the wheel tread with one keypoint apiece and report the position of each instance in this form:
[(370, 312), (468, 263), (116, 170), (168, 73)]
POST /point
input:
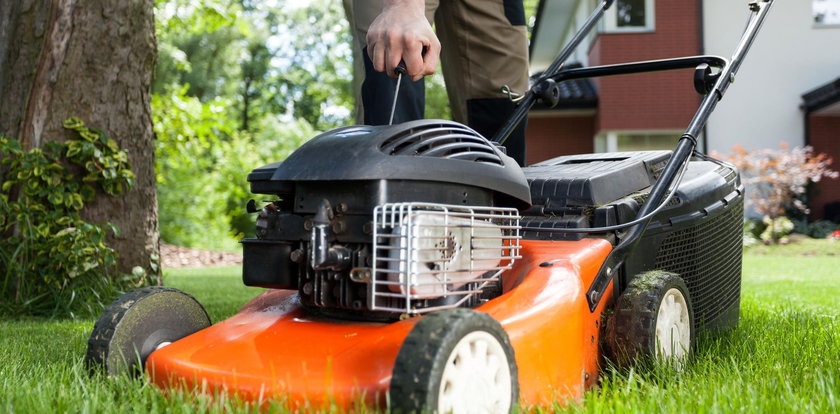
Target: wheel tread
[(630, 333), (106, 326), (413, 386)]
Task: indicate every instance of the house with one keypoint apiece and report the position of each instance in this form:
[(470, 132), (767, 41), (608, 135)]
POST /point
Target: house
[(787, 90)]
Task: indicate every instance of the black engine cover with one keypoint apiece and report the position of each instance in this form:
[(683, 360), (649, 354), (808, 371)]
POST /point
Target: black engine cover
[(427, 150)]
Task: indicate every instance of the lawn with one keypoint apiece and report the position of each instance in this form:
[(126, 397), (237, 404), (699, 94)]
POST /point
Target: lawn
[(783, 357)]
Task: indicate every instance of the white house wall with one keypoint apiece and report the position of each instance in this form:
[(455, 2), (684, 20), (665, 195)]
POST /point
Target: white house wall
[(790, 57), (559, 22)]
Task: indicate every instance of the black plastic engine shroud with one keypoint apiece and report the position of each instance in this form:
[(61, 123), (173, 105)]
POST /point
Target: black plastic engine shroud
[(427, 150)]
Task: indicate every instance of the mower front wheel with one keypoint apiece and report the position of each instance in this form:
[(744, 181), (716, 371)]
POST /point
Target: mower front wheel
[(140, 322), (457, 361), (653, 319)]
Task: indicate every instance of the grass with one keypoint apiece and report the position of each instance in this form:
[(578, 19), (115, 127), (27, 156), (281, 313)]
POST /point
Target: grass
[(783, 357)]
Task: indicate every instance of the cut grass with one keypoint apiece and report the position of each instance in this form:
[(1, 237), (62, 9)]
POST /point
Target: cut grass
[(783, 357)]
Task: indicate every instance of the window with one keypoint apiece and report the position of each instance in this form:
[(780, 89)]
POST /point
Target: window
[(613, 141), (826, 12), (629, 16)]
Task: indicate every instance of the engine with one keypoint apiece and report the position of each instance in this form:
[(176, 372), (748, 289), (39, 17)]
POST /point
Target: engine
[(377, 222)]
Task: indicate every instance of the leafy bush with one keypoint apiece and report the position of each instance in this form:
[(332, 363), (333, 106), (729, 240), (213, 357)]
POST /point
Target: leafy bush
[(52, 261), (819, 229), (776, 229), (202, 163), (751, 232), (776, 178), (776, 181)]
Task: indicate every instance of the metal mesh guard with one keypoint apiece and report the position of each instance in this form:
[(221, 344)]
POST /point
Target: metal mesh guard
[(428, 257)]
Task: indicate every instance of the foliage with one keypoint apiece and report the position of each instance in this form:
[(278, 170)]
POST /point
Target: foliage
[(777, 180), (751, 232), (314, 63), (776, 229), (777, 177), (817, 229), (202, 165), (278, 58), (53, 262), (238, 86), (199, 44)]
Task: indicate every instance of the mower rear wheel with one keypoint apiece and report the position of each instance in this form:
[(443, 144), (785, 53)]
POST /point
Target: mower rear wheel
[(140, 322), (456, 360), (653, 319)]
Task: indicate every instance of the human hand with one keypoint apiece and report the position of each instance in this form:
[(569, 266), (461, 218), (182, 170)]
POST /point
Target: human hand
[(401, 32)]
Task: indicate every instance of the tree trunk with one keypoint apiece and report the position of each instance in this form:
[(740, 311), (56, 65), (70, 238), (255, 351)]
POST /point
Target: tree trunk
[(92, 59)]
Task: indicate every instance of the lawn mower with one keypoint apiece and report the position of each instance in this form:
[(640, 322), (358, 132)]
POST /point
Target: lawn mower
[(417, 267)]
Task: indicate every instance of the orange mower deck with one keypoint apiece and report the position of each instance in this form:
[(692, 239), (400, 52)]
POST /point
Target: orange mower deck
[(272, 349)]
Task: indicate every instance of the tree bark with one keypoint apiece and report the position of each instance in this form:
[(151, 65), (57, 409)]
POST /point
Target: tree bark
[(93, 59)]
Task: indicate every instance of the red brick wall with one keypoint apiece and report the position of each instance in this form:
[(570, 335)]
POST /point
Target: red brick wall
[(824, 136), (663, 100), (553, 136)]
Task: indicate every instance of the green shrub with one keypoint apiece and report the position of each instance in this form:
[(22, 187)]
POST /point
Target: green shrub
[(51, 261), (819, 229), (202, 164), (752, 230), (776, 229)]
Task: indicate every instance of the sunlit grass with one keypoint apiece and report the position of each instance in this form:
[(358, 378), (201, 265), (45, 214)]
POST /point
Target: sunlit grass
[(783, 357)]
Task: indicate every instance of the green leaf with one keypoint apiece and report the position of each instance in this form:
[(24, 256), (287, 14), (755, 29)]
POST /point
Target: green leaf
[(73, 149), (88, 135), (54, 180), (73, 123), (55, 198), (77, 202), (112, 145), (65, 232)]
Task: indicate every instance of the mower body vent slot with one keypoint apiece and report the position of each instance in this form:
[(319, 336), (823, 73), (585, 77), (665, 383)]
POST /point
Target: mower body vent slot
[(443, 141), (708, 257)]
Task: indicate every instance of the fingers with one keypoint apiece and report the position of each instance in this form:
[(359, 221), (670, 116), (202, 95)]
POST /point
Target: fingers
[(393, 54), (386, 50), (413, 57), (430, 59), (376, 52), (420, 56), (400, 34)]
